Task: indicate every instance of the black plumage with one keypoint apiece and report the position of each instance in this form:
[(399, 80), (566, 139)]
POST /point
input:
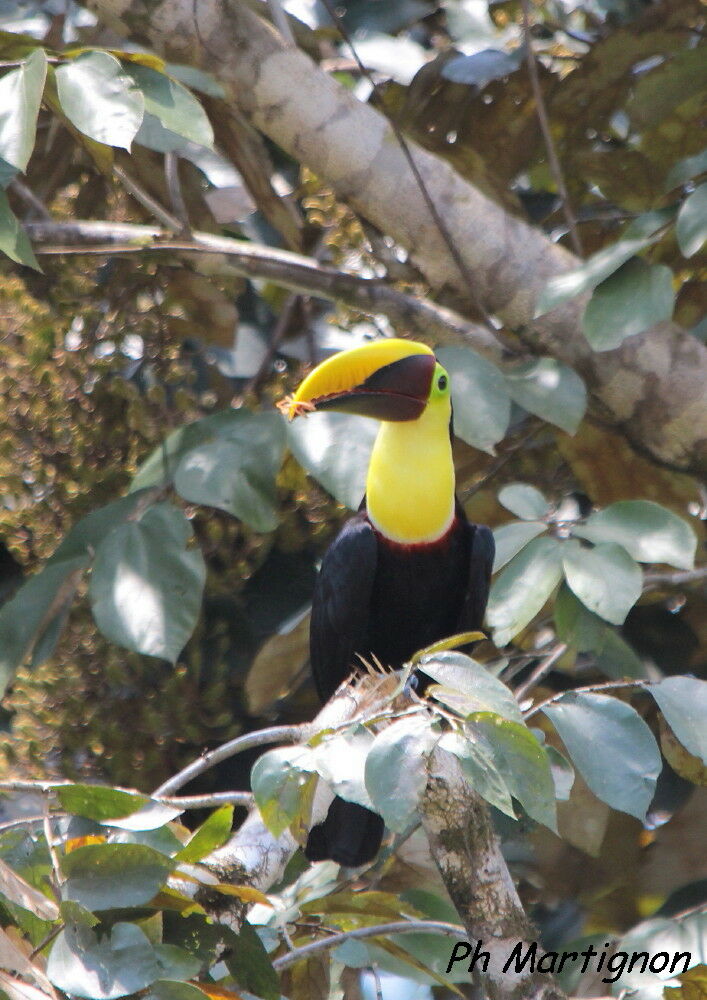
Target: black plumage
[(379, 598)]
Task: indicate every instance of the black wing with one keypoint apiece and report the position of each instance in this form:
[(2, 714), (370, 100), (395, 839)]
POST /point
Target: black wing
[(481, 556), (341, 605)]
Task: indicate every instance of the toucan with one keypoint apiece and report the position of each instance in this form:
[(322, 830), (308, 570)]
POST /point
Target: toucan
[(408, 569)]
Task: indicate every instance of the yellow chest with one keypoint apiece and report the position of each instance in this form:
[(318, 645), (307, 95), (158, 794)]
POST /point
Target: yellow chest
[(410, 484)]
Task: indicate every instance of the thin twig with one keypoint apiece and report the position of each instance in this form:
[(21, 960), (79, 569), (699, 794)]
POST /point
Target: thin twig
[(378, 930), (502, 461), (281, 21), (292, 270), (274, 734), (675, 578), (176, 195), (439, 222), (544, 122), (54, 932), (542, 670), (49, 837), (29, 198), (208, 801), (147, 201), (589, 689)]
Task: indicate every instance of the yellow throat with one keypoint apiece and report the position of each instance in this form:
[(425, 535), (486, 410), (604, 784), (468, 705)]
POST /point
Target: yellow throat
[(410, 483)]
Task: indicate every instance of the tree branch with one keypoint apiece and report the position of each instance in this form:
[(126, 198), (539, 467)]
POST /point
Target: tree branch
[(299, 273), (378, 930), (651, 388)]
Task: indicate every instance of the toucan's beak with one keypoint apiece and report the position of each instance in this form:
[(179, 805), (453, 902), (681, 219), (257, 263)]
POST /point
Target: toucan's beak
[(386, 379)]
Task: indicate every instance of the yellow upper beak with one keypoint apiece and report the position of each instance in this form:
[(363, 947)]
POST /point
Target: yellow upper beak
[(387, 379)]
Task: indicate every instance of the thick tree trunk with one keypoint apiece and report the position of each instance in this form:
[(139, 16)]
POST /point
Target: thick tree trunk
[(652, 388)]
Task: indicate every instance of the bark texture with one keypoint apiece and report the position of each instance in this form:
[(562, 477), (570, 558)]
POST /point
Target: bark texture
[(468, 855), (652, 388)]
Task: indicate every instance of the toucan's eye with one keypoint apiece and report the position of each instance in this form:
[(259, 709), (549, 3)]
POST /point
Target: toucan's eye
[(442, 382)]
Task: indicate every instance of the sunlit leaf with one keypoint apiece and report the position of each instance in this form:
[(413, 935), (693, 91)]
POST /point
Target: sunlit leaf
[(691, 224), (335, 448), (173, 104), (109, 876), (13, 238), (100, 99), (212, 834), (341, 760), (550, 390), (605, 578), (631, 300), (599, 266), (483, 691), (523, 765), (683, 702), (648, 532), (477, 761), (480, 398), (511, 538), (611, 746), (20, 96), (396, 772), (278, 780), (146, 585), (522, 588), (524, 501)]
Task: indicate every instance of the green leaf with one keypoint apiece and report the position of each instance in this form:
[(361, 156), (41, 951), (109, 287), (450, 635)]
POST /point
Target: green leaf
[(606, 579), (20, 96), (278, 780), (691, 224), (111, 876), (523, 765), (685, 170), (171, 989), (98, 802), (587, 632), (611, 746), (594, 270), (235, 475), (683, 702), (341, 760), (396, 770), (511, 538), (524, 501), (672, 936), (631, 300), (13, 238), (121, 962), (250, 966), (73, 913), (100, 99), (482, 407), (550, 390), (177, 109), (476, 759), (229, 460), (650, 533), (335, 448), (196, 79), (146, 585), (87, 534), (24, 619), (213, 833), (523, 587), (483, 692)]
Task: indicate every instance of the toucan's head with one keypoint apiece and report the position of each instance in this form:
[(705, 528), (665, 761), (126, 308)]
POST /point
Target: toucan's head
[(391, 380)]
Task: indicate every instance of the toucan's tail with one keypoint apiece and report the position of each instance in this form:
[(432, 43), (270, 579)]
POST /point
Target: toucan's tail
[(351, 835)]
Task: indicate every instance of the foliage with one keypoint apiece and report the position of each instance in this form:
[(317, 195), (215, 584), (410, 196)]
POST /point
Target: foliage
[(168, 536)]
